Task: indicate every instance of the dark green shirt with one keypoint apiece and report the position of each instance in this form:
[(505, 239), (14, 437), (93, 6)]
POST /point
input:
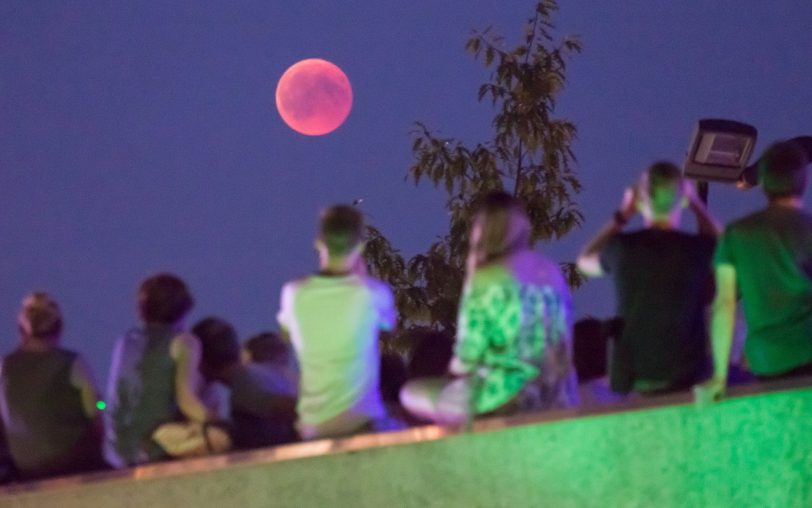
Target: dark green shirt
[(771, 251), (140, 395), (47, 430)]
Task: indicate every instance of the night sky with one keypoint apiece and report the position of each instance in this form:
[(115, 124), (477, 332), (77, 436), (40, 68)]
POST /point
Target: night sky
[(138, 137)]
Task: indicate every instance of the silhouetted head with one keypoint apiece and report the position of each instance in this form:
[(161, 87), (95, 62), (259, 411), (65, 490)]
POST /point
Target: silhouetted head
[(341, 229), (500, 228), (782, 170), (662, 189), (40, 317), (220, 348), (267, 347), (164, 299)]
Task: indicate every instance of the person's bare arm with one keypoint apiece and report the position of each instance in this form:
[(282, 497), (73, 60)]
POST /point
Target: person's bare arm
[(589, 262), (82, 378), (721, 329), (186, 354), (705, 222)]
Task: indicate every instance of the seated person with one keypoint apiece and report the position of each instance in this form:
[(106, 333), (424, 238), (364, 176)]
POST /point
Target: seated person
[(154, 375), (334, 318), (663, 284), (48, 399), (268, 350), (513, 350), (767, 257), (262, 402)]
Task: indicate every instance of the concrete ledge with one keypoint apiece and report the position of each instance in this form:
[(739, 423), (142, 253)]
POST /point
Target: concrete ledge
[(753, 449)]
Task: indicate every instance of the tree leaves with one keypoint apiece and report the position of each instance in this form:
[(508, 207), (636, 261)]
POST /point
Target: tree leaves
[(530, 151)]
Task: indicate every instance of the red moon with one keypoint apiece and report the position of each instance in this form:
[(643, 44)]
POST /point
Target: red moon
[(314, 97)]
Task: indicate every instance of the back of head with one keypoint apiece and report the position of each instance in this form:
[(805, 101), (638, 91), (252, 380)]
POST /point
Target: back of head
[(40, 317), (782, 170), (500, 227), (341, 228), (268, 347), (219, 344), (164, 299), (664, 187)]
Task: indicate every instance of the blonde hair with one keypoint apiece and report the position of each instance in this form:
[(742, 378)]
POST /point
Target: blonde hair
[(40, 316), (503, 228)]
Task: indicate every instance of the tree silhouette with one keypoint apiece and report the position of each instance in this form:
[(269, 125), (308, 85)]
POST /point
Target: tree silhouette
[(528, 155)]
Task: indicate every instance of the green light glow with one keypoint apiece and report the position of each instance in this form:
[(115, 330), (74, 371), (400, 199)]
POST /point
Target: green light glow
[(101, 405)]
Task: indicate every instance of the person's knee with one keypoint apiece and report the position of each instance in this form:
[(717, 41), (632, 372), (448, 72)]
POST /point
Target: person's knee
[(419, 396)]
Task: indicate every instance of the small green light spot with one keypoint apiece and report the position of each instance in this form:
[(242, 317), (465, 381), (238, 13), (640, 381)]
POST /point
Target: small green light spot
[(101, 405)]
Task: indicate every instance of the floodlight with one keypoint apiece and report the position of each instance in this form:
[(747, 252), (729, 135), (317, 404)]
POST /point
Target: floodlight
[(719, 150)]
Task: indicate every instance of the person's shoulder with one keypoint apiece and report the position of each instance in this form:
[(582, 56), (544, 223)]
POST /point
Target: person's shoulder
[(184, 341), (628, 236), (377, 287), (296, 283), (374, 284), (799, 215), (627, 239), (67, 354), (492, 274), (549, 265), (756, 218), (552, 275), (697, 239), (11, 354), (256, 375)]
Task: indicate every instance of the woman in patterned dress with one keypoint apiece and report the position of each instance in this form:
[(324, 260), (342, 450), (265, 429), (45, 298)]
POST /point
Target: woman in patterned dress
[(514, 350)]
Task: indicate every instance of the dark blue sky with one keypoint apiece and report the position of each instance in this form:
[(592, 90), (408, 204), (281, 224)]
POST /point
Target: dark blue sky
[(142, 136)]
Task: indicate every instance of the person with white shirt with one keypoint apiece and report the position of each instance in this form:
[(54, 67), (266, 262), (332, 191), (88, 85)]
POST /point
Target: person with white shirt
[(333, 319)]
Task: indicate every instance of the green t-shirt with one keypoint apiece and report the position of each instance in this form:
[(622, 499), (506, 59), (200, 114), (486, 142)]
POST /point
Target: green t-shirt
[(771, 251)]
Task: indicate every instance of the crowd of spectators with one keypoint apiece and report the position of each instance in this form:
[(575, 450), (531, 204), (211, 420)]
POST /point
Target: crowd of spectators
[(176, 390)]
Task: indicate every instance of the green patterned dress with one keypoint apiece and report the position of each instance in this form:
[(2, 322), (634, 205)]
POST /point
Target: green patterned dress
[(514, 339)]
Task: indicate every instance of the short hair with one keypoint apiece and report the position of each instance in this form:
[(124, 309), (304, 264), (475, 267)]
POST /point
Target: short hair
[(164, 299), (663, 175), (782, 170), (341, 228), (40, 316), (219, 345), (504, 228), (268, 347)]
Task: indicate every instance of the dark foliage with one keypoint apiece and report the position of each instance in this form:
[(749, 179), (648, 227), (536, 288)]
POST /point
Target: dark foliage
[(528, 155)]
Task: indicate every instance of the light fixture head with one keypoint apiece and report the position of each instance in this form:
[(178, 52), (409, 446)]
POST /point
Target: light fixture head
[(719, 150)]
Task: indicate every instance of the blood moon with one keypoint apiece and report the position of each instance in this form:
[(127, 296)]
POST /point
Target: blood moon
[(314, 97)]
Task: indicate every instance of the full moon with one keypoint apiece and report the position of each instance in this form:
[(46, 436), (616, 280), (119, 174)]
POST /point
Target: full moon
[(314, 97)]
